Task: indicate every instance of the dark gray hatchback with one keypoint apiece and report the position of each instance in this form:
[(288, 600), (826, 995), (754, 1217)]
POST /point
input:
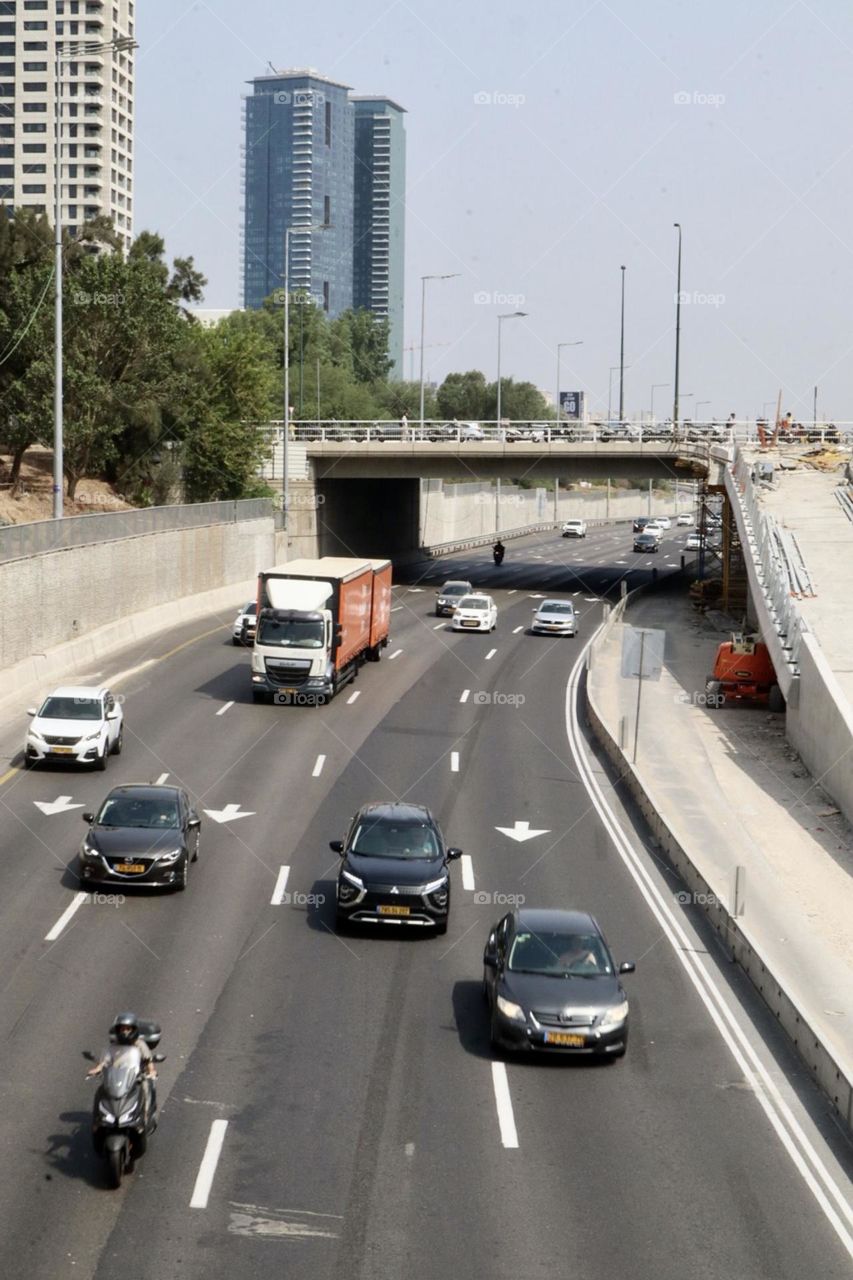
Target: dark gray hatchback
[(394, 870), (141, 835)]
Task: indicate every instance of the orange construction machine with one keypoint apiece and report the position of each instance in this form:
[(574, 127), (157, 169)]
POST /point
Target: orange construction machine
[(744, 672)]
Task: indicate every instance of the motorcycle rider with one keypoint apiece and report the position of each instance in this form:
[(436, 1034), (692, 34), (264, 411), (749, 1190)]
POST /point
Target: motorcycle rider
[(499, 551), (125, 1031)]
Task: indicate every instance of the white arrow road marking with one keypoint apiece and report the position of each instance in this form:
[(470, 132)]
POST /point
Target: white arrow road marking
[(210, 1159), (229, 814), (521, 832), (467, 872), (224, 708), (318, 767), (454, 762), (280, 886), (506, 1120), (490, 654), (60, 805), (351, 699), (465, 695), (79, 899)]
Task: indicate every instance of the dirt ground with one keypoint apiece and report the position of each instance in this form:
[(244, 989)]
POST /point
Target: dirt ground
[(35, 500)]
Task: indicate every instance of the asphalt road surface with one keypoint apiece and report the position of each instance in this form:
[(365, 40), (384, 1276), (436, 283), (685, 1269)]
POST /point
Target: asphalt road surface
[(355, 1120)]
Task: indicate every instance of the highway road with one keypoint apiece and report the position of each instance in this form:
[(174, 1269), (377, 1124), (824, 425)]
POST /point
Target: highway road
[(364, 1127)]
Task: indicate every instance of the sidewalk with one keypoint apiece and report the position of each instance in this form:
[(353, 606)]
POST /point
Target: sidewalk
[(732, 793)]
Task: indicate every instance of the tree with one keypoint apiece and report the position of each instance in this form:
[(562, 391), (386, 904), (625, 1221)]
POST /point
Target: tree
[(463, 396), (520, 401)]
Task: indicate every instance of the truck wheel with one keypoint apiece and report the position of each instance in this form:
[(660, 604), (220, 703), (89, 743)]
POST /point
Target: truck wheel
[(259, 695), (775, 699), (713, 695), (374, 654)]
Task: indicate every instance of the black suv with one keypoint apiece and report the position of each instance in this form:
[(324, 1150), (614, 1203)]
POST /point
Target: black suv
[(394, 869)]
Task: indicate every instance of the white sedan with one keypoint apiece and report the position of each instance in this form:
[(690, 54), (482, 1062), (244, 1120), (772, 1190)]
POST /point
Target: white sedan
[(475, 613), (247, 614), (555, 618), (663, 521), (78, 723), (684, 519)]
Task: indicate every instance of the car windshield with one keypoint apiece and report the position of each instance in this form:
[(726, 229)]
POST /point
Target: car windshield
[(557, 606), (291, 633), (381, 838), (454, 589), (474, 602), (559, 955), (68, 708), (251, 609), (140, 811)]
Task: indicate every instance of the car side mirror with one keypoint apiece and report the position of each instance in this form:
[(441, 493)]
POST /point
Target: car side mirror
[(32, 711), (627, 966), (336, 846), (194, 824), (453, 854), (88, 817), (158, 1057), (112, 715), (89, 1056)]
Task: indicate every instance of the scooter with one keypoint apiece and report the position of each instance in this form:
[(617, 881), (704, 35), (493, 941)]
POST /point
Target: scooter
[(498, 553), (120, 1128)]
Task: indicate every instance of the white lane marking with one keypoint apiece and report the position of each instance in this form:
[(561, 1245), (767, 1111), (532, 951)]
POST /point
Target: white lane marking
[(280, 886), (161, 780), (755, 1073), (230, 813), (209, 1161), (438, 626), (79, 899), (506, 1120), (351, 699), (522, 831), (454, 762), (467, 872), (397, 608), (62, 804), (395, 654), (410, 1149), (513, 592), (516, 630), (223, 709), (490, 654), (318, 767), (465, 695)]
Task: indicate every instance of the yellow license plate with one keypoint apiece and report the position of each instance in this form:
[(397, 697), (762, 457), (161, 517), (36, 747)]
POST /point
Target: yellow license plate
[(394, 911), (128, 867), (562, 1037), (62, 751)]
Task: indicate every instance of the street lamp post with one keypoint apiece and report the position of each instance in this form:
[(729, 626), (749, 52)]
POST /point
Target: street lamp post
[(656, 386), (453, 276), (66, 52), (288, 231), (622, 354), (612, 370), (677, 225), (560, 346), (509, 315)]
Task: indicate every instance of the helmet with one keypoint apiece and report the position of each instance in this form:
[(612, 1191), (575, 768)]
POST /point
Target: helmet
[(126, 1027)]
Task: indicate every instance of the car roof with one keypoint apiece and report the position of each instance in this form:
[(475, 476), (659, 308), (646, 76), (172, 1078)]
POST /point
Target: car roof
[(78, 691), (546, 918), (145, 791), (456, 582), (548, 604), (479, 595), (393, 811)]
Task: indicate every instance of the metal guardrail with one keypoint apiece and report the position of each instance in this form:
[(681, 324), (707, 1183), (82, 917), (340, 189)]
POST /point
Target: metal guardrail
[(18, 541), (844, 494)]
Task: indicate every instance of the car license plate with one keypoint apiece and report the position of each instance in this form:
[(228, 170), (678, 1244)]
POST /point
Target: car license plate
[(466, 623), (394, 911), (563, 1038), (130, 867), (62, 751)]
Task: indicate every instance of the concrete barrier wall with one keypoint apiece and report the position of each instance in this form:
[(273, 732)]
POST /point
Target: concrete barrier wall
[(819, 724)]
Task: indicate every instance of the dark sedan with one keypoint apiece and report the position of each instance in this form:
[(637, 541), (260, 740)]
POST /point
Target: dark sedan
[(551, 985), (141, 835), (395, 869), (646, 542)]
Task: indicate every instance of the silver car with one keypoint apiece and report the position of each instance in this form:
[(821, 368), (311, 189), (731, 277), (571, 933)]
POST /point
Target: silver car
[(555, 618), (247, 614)]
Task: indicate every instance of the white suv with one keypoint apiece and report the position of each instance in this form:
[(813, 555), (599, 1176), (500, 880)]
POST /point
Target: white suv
[(78, 723), (574, 529)]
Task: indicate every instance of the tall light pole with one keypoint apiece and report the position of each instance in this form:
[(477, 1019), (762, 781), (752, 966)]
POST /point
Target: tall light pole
[(656, 386), (622, 354), (288, 231), (66, 52), (613, 369), (677, 225), (560, 346), (509, 315), (453, 276)]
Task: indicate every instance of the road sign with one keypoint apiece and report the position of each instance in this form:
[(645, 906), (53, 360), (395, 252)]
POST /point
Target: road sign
[(571, 404), (642, 652)]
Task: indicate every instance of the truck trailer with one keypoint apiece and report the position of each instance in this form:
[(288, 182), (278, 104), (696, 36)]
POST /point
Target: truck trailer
[(318, 622)]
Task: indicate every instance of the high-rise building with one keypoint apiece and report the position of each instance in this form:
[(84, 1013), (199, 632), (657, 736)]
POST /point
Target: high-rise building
[(298, 172), (97, 94), (313, 156), (379, 215)]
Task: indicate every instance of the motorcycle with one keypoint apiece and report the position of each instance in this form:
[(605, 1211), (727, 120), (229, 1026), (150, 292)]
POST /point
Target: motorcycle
[(121, 1123), (498, 553)]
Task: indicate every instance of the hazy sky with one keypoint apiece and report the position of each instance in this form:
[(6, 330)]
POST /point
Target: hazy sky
[(550, 142)]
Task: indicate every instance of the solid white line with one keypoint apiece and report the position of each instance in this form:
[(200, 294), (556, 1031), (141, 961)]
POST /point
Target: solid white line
[(351, 699), (454, 762), (506, 1120), (516, 630), (161, 780), (318, 767), (395, 654), (79, 899), (280, 886), (467, 872), (465, 695), (490, 654), (396, 608), (769, 1098), (209, 1161), (223, 709)]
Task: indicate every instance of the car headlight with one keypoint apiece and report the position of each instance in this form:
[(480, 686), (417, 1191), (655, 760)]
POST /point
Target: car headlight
[(511, 1010), (35, 733), (435, 884), (105, 1111), (613, 1016), (127, 1116), (348, 875), (87, 850), (171, 855), (92, 737)]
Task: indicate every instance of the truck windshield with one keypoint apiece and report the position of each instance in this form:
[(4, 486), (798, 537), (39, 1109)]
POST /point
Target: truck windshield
[(290, 633)]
